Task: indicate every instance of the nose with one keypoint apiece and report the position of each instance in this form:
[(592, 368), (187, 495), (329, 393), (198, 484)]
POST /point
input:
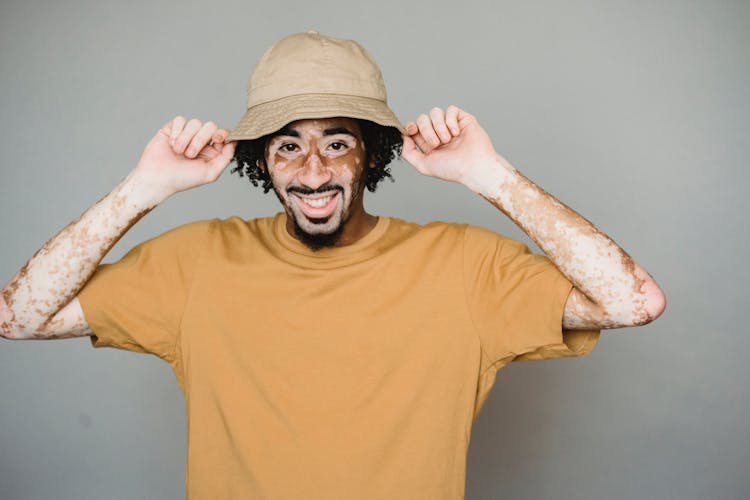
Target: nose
[(314, 173)]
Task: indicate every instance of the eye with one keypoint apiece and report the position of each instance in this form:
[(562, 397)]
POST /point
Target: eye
[(288, 147), (338, 146)]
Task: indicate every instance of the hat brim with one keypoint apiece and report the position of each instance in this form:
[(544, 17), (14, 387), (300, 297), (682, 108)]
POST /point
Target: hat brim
[(270, 116)]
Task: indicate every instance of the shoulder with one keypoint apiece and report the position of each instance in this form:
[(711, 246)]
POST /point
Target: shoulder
[(235, 238), (232, 226), (468, 233), (436, 238), (199, 232), (433, 229), (177, 236), (482, 237)]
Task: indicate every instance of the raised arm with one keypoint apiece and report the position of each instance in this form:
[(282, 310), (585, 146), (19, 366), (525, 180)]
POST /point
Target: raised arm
[(40, 301), (610, 289)]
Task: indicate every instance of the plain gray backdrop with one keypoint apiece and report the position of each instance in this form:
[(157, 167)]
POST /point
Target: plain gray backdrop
[(634, 113)]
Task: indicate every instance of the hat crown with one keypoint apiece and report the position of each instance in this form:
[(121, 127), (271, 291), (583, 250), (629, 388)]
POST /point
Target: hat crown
[(312, 76), (311, 63)]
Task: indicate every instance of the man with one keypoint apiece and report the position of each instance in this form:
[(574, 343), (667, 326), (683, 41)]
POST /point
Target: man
[(326, 352)]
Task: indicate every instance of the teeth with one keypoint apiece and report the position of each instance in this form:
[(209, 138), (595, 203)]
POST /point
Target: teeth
[(317, 203)]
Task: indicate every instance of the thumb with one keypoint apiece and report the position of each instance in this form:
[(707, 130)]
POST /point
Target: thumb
[(411, 153), (220, 162)]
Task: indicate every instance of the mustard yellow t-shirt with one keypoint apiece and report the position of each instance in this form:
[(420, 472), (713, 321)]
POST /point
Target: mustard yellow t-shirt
[(348, 373)]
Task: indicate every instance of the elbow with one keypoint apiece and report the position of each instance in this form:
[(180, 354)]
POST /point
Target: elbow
[(9, 329), (8, 332), (649, 300), (651, 306), (655, 302), (655, 305), (642, 310), (6, 329)]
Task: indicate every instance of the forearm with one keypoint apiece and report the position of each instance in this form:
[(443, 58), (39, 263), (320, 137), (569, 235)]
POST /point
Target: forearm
[(60, 268), (590, 259), (610, 290)]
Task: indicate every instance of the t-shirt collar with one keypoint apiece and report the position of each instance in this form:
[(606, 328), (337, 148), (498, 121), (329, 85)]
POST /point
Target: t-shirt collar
[(297, 253)]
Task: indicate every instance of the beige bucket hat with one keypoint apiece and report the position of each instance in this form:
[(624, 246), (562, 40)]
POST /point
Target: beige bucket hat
[(309, 75)]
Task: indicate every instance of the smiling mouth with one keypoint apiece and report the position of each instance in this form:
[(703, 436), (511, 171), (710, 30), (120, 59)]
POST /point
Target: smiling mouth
[(317, 202), (317, 206)]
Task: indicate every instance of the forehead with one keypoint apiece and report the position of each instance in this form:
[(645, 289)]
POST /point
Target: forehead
[(319, 126)]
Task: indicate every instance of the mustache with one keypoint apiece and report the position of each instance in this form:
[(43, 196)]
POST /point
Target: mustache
[(320, 190)]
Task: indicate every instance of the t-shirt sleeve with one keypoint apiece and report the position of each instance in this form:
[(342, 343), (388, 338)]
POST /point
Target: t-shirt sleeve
[(137, 302), (516, 300)]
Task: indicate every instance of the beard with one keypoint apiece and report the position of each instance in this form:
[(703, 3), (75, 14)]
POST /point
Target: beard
[(317, 240)]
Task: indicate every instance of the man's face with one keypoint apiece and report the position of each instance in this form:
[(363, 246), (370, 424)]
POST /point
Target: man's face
[(317, 168)]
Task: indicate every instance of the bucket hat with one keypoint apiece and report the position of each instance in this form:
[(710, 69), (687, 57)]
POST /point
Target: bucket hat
[(309, 75)]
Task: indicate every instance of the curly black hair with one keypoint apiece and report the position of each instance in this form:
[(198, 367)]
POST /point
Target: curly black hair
[(382, 145)]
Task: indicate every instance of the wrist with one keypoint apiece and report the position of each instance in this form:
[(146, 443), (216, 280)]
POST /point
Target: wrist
[(489, 177), (140, 193)]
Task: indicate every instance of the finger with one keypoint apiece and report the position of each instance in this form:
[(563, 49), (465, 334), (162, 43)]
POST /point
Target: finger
[(166, 129), (421, 143), (201, 139), (221, 135), (464, 118), (451, 119), (217, 165), (411, 128), (184, 138), (410, 153), (428, 134), (176, 126), (218, 139), (409, 146), (437, 116)]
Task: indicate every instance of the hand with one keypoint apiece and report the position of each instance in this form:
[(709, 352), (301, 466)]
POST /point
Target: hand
[(182, 156), (448, 144)]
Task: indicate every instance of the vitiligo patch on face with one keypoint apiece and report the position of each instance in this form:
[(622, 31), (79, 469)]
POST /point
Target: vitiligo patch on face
[(319, 156)]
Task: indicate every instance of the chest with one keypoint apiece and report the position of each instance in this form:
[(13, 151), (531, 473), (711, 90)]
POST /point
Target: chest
[(344, 332)]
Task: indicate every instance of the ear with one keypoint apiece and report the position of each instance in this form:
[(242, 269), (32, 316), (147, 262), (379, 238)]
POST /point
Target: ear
[(371, 164)]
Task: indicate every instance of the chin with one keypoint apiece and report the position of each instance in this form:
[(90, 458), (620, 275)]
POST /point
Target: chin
[(329, 225), (317, 236)]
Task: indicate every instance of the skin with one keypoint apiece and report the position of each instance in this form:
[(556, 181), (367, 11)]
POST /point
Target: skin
[(40, 302), (610, 289), (312, 158)]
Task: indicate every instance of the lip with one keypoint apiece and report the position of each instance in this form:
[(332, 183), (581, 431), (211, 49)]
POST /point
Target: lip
[(318, 212)]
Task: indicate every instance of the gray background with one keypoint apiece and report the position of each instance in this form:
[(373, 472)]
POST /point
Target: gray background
[(634, 113)]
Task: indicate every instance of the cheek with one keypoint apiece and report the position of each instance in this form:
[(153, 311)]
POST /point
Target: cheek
[(349, 170), (346, 176), (279, 171), (277, 162)]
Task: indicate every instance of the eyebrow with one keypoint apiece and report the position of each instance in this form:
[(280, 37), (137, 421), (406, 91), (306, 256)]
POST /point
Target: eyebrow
[(285, 131), (338, 130), (290, 132)]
